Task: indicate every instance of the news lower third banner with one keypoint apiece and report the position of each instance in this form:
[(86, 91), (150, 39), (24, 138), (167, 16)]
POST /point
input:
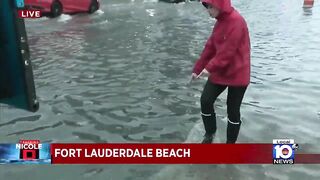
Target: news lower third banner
[(281, 151)]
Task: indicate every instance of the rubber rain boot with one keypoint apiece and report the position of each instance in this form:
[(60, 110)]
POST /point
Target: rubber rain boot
[(233, 130), (209, 122)]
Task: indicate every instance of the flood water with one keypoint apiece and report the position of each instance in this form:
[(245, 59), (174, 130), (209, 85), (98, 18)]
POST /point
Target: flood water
[(121, 76)]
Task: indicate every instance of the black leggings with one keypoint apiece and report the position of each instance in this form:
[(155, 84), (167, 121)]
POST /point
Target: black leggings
[(209, 95)]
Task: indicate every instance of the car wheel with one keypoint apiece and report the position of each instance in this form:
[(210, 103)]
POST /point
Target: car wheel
[(94, 6), (56, 9)]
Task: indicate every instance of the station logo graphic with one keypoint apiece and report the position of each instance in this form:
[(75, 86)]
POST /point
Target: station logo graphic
[(283, 151)]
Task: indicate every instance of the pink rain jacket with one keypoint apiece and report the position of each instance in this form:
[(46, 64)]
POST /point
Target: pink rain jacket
[(227, 52)]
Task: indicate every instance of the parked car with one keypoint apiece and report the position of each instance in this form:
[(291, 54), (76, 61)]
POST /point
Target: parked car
[(172, 1), (57, 7), (176, 1)]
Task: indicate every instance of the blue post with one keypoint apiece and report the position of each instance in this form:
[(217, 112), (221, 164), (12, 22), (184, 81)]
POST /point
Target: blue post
[(19, 3)]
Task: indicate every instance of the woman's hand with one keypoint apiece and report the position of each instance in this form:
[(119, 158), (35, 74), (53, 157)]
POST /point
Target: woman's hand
[(204, 72), (193, 77)]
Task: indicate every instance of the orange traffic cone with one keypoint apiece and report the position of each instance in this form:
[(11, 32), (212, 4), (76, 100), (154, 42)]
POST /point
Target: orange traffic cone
[(308, 3)]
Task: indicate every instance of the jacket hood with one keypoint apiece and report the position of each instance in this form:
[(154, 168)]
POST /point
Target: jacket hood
[(223, 5)]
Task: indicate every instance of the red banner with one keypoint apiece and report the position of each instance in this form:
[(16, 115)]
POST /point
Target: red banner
[(307, 159), (170, 154), (161, 153)]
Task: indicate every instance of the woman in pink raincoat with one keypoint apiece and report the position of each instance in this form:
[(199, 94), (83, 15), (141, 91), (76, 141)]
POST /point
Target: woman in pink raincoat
[(226, 60)]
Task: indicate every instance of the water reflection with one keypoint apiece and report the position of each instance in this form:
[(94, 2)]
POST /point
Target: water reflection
[(307, 11)]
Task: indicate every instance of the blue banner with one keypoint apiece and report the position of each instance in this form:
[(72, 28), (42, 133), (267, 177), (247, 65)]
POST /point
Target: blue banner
[(13, 154)]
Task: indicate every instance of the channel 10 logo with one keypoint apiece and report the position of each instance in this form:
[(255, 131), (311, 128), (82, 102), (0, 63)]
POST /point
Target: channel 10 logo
[(283, 151)]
